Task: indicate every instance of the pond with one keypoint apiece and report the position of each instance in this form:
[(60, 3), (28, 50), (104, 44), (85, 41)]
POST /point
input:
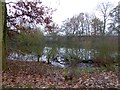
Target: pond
[(60, 56)]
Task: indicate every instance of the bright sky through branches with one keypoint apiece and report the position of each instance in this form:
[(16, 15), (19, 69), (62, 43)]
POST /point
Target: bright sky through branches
[(68, 8)]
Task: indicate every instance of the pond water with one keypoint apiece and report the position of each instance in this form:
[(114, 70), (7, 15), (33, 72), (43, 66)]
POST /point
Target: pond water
[(59, 57)]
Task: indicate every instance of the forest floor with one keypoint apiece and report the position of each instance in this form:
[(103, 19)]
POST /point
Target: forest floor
[(41, 75)]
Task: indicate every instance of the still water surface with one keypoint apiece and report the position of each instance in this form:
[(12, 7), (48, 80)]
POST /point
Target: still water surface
[(59, 57)]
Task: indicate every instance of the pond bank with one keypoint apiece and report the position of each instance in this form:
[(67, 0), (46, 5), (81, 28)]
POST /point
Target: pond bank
[(42, 75)]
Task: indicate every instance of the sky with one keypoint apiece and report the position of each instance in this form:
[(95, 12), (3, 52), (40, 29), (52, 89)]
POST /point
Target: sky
[(69, 8)]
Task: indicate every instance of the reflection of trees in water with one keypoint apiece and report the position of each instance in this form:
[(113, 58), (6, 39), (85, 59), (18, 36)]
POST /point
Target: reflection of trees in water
[(63, 56), (52, 52), (70, 53)]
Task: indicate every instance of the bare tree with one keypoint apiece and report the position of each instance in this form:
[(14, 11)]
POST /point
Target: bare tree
[(97, 26), (115, 19), (75, 25), (87, 25), (67, 27), (104, 9)]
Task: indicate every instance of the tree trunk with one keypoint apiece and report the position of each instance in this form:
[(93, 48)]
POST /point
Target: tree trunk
[(38, 58), (3, 34), (104, 26), (48, 61)]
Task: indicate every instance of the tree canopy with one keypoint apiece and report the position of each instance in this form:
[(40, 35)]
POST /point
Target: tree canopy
[(28, 14)]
